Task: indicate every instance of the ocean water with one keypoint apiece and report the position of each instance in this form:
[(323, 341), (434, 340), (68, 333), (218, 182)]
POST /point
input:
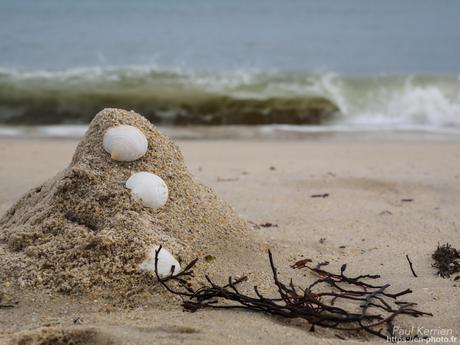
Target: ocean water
[(336, 64)]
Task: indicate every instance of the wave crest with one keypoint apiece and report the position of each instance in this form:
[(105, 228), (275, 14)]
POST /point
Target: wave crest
[(180, 97)]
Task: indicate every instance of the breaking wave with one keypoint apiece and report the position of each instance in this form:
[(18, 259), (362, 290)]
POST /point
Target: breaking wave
[(180, 97)]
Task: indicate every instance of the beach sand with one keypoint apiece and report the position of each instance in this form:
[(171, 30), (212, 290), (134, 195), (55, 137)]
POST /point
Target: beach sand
[(363, 222)]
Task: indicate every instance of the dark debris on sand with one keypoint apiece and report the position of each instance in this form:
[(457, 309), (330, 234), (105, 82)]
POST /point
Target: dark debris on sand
[(336, 301), (324, 195), (263, 225), (446, 260)]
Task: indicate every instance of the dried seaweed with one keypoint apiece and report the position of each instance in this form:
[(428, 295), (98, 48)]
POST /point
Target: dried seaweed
[(446, 260), (344, 303)]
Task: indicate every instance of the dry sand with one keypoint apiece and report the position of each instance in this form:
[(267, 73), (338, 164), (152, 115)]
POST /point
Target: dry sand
[(363, 223)]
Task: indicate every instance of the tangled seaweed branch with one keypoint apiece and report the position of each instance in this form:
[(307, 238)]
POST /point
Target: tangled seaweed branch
[(446, 260), (375, 308)]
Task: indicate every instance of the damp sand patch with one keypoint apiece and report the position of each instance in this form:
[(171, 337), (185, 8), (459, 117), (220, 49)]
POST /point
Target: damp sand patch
[(62, 336)]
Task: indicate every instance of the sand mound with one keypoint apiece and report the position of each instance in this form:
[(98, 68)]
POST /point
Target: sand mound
[(82, 230)]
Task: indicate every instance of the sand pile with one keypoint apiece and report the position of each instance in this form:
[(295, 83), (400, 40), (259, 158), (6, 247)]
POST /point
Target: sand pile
[(83, 230)]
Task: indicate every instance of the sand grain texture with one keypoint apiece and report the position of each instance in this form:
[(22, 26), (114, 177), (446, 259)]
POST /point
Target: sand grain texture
[(62, 336), (363, 223), (82, 231)]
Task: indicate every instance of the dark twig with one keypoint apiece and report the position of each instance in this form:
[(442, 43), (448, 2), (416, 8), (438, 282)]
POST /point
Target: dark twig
[(345, 303), (325, 195), (411, 267)]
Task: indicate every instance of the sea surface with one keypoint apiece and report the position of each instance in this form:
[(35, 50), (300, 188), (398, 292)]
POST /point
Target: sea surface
[(293, 65)]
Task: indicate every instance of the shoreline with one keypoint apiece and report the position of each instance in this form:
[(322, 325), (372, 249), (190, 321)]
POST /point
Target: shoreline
[(263, 133)]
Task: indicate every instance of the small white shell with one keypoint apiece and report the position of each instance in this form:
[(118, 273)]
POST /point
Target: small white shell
[(165, 262), (150, 188), (125, 143)]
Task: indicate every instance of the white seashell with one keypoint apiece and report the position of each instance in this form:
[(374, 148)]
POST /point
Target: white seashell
[(125, 143), (165, 263), (150, 188)]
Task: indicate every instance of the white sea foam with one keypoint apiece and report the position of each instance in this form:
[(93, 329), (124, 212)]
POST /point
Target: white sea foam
[(401, 104)]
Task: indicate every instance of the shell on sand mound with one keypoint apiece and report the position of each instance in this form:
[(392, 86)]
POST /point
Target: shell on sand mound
[(83, 230)]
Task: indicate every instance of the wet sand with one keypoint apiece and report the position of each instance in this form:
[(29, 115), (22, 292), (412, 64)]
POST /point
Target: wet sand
[(363, 222)]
